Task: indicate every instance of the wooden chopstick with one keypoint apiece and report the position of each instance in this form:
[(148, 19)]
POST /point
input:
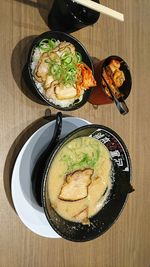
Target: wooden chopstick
[(109, 89), (100, 8)]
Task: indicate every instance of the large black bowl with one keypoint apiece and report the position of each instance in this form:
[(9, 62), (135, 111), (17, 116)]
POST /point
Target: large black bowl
[(121, 176), (28, 71)]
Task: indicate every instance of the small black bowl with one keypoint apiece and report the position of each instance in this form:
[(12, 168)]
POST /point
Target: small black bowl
[(79, 48), (121, 177), (126, 86)]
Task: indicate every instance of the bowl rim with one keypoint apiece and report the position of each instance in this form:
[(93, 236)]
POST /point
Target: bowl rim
[(29, 60), (45, 178)]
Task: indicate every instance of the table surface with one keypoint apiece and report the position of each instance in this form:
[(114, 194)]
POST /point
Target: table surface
[(127, 243)]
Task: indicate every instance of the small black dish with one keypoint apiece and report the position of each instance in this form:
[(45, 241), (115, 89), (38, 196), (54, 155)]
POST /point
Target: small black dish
[(121, 178), (79, 48), (126, 87)]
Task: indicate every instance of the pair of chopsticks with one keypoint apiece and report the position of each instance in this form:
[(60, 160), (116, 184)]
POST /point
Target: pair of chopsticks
[(100, 8)]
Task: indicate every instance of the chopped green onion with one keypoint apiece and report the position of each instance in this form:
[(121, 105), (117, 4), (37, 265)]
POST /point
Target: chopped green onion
[(64, 55), (44, 41), (64, 70), (52, 43), (67, 60), (47, 61), (54, 69), (79, 57), (47, 45)]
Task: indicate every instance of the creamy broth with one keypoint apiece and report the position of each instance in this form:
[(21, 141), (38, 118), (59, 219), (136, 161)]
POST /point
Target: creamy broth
[(83, 165)]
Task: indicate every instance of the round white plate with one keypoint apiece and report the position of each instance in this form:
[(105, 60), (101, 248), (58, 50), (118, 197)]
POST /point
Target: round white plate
[(30, 213)]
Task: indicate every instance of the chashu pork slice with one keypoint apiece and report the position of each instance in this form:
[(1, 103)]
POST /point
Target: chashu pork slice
[(48, 82), (50, 91), (63, 93), (42, 68), (76, 185), (82, 216)]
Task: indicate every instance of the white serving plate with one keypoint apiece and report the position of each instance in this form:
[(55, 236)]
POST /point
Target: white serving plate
[(30, 213)]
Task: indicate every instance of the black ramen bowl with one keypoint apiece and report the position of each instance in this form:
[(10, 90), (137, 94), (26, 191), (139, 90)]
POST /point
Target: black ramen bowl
[(28, 71), (121, 177), (126, 86)]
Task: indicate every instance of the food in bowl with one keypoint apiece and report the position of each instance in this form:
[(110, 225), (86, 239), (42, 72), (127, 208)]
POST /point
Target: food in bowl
[(79, 179), (59, 73), (114, 77), (81, 230)]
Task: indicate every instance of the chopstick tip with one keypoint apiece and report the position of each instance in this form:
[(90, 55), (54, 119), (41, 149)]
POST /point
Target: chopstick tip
[(122, 18)]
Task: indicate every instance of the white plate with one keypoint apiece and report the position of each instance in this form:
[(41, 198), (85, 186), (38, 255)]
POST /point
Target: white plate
[(25, 204)]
